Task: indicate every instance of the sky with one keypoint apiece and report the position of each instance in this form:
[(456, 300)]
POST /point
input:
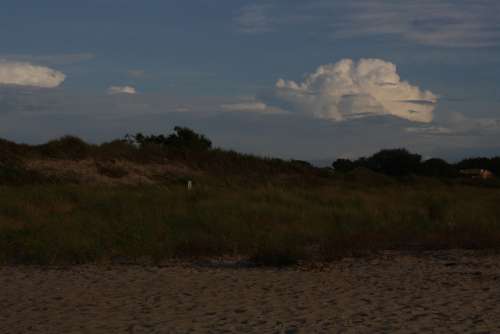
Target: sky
[(313, 80)]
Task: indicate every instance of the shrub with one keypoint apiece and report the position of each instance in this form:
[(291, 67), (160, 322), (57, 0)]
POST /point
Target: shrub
[(111, 170), (343, 165), (14, 173), (67, 147), (365, 177), (301, 164), (116, 150)]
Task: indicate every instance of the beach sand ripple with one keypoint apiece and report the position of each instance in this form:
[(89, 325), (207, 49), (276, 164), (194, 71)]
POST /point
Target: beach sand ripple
[(442, 292)]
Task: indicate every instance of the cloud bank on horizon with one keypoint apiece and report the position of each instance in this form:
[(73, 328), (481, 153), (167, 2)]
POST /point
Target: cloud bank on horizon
[(348, 90), (13, 73)]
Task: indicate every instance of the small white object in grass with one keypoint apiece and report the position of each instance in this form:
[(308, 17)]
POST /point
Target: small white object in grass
[(190, 185)]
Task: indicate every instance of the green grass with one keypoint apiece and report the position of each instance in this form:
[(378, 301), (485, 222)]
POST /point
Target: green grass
[(56, 224)]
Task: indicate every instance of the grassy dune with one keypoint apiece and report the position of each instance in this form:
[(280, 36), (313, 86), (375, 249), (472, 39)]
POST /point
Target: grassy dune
[(271, 224), (67, 201)]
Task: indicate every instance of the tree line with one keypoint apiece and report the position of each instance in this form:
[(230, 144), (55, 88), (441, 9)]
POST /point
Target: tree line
[(184, 142), (182, 139), (401, 162)]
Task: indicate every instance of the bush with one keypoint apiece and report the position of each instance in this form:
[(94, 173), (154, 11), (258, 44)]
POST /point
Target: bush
[(16, 174), (116, 150), (343, 165), (67, 147), (111, 170), (365, 177)]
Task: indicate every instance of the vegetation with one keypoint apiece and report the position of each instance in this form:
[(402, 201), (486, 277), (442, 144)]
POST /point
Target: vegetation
[(270, 224), (271, 211), (183, 139), (400, 162)]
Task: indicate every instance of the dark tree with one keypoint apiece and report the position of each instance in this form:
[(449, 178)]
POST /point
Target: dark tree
[(437, 168), (492, 164), (185, 138), (495, 165), (301, 163), (343, 165), (395, 162), (182, 139)]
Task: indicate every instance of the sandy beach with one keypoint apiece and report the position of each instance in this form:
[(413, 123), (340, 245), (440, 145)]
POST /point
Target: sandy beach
[(439, 292)]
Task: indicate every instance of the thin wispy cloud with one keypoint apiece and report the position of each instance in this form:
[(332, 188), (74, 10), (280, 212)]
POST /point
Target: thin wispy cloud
[(114, 90), (55, 59), (442, 23), (431, 22), (457, 124), (431, 130), (250, 106), (28, 101), (136, 73), (258, 18), (245, 106), (254, 19)]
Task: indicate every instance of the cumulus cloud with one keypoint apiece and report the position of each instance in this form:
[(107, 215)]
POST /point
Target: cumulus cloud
[(14, 73), (349, 89), (113, 90)]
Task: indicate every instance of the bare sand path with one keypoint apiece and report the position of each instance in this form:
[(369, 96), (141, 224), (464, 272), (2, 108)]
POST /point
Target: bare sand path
[(440, 292)]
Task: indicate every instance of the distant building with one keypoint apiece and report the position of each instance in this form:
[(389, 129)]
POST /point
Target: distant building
[(477, 173)]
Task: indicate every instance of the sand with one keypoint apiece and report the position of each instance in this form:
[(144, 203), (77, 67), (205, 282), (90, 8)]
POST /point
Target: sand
[(440, 292)]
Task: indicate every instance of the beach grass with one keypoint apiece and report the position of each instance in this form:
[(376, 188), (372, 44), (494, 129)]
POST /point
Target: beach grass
[(266, 223)]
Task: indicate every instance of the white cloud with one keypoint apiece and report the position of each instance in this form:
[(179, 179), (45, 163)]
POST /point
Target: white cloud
[(121, 90), (245, 106), (25, 74), (251, 106), (349, 89)]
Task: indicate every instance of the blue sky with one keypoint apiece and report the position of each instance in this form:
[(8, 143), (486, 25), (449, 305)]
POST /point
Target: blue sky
[(306, 79)]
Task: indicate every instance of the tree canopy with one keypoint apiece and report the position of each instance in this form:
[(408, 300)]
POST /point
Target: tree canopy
[(182, 139)]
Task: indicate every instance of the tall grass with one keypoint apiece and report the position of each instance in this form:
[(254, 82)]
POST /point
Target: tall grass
[(270, 224)]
